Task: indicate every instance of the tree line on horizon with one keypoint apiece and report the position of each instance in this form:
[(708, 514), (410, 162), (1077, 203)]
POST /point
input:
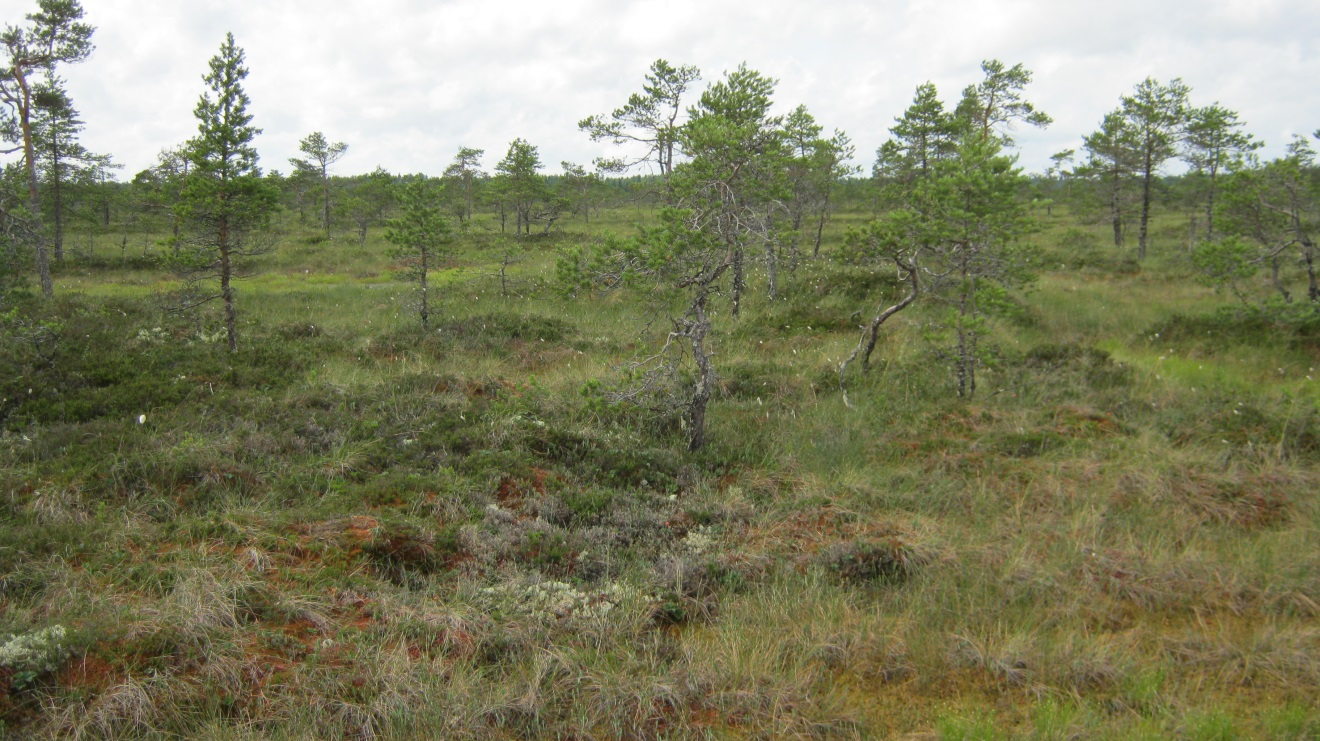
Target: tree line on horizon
[(732, 183)]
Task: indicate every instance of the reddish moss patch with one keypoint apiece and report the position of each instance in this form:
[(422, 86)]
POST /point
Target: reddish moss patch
[(89, 672)]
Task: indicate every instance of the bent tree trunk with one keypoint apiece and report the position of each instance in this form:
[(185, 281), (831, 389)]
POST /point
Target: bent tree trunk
[(1277, 280), (866, 345)]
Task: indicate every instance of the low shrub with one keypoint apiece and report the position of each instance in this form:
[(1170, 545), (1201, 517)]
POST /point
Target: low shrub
[(874, 561)]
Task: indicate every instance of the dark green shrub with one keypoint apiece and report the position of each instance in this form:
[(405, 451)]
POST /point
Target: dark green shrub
[(402, 552), (887, 561)]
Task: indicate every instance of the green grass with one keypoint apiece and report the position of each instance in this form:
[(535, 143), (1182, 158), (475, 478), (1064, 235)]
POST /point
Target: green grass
[(356, 528)]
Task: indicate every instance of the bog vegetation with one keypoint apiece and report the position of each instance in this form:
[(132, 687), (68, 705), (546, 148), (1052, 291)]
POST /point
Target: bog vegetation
[(754, 445)]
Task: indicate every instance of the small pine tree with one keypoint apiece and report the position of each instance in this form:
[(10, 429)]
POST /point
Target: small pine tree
[(419, 236), (225, 203)]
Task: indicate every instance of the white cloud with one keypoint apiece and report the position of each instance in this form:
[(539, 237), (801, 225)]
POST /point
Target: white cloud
[(406, 82)]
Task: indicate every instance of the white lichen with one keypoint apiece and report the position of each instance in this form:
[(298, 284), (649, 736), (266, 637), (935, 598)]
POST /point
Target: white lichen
[(699, 540), (39, 652), (557, 600)]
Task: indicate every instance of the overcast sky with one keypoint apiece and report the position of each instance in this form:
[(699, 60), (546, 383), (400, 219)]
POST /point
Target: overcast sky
[(406, 82)]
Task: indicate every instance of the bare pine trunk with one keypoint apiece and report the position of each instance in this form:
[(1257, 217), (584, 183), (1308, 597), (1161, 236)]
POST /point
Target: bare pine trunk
[(1312, 286), (696, 332), (738, 280), (34, 201), (43, 266), (57, 202), (1145, 210), (973, 344), (226, 290), (962, 360), (793, 242), (426, 309), (325, 201), (1116, 214), (966, 362)]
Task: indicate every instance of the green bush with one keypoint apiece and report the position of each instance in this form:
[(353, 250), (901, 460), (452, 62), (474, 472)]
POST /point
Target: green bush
[(1296, 326)]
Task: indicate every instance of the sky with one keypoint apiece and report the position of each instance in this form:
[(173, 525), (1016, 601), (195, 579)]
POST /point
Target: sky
[(405, 83)]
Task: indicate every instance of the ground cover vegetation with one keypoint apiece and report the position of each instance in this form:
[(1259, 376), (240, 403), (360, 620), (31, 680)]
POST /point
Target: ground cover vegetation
[(749, 447)]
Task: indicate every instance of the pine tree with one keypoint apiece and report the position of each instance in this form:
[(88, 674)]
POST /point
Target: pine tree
[(1111, 162), (1156, 114), (61, 159), (226, 203), (923, 135), (649, 118), (520, 182), (466, 169), (56, 35), (1216, 145), (419, 235), (996, 102), (321, 154), (954, 224)]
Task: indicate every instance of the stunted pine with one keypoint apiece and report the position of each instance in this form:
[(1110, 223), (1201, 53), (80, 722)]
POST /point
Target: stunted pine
[(953, 224), (519, 184), (649, 118), (420, 235), (995, 105), (466, 169), (718, 208), (319, 154), (1271, 221)]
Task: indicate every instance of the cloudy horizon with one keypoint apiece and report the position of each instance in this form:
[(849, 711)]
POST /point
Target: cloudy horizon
[(405, 83)]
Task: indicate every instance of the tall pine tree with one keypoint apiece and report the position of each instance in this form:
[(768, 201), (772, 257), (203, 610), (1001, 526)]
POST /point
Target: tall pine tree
[(225, 202)]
